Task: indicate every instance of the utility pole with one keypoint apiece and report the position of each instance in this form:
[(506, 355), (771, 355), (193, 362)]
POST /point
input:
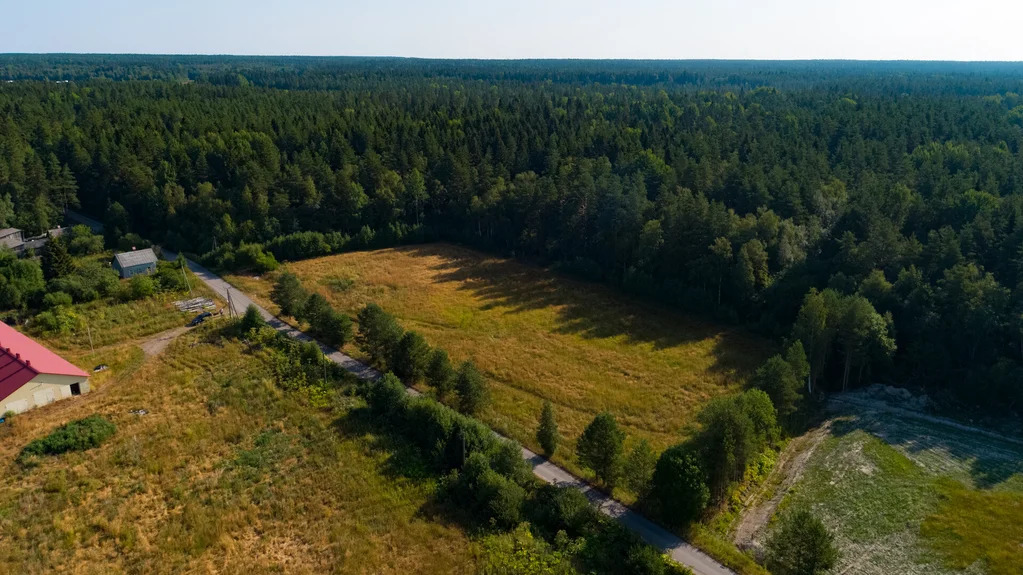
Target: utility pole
[(89, 331), (230, 304), (184, 275)]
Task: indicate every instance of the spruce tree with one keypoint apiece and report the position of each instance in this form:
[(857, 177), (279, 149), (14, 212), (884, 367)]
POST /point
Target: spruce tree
[(473, 394), (57, 261), (547, 433)]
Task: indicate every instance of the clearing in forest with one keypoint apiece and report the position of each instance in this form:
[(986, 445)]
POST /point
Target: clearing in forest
[(539, 335), (907, 493)]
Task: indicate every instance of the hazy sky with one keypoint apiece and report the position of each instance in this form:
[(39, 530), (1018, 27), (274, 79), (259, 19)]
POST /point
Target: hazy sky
[(761, 29)]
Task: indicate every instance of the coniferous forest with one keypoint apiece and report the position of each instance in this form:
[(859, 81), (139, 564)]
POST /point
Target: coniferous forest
[(872, 211)]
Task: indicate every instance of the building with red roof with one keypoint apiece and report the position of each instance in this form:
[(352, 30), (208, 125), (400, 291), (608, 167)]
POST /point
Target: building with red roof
[(31, 375)]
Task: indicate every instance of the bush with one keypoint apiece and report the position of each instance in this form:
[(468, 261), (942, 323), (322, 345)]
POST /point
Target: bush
[(252, 257), (61, 319), (491, 497), (298, 246), (252, 319), (565, 509), (75, 436), (387, 396), (83, 242), (169, 277), (801, 545), (56, 299), (139, 287)]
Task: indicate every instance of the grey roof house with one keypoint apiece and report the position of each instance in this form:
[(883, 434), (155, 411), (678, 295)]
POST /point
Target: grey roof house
[(12, 238), (135, 262)]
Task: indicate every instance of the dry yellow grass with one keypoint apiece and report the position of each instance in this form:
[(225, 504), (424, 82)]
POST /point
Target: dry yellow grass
[(538, 335), (226, 474)]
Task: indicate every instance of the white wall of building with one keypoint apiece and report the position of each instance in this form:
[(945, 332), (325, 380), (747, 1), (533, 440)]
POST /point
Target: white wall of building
[(42, 390)]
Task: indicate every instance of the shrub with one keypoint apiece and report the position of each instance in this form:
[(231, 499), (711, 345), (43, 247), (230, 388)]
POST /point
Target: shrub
[(61, 319), (298, 246), (430, 425), (600, 448), (56, 299), (473, 393), (139, 287), (83, 242), (252, 257), (506, 459), (75, 436), (801, 545), (468, 437), (315, 308), (491, 497), (387, 396), (170, 277), (565, 509), (252, 319)]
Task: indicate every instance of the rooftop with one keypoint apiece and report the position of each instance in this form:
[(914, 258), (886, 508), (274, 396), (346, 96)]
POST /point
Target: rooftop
[(22, 358), (135, 258)]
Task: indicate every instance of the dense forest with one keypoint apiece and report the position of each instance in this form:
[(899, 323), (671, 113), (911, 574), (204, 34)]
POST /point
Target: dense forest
[(872, 211)]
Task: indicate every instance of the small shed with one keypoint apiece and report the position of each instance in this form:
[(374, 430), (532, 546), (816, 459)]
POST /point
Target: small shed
[(12, 238), (135, 262)]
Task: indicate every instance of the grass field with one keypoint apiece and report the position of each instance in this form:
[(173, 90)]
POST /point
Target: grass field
[(910, 496), (538, 335), (225, 474)]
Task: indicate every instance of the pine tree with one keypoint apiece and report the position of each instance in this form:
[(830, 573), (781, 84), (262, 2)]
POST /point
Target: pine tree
[(547, 434), (439, 373), (57, 261), (473, 394), (600, 448)]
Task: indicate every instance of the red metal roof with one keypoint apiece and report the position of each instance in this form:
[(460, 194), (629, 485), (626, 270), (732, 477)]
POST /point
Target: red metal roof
[(22, 358)]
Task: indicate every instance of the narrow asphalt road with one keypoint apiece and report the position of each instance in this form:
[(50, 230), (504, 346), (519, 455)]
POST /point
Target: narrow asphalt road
[(676, 548)]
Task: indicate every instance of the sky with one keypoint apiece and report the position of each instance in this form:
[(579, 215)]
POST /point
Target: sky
[(660, 29)]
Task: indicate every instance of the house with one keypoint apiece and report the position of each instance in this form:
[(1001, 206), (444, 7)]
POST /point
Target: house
[(12, 238), (135, 262), (33, 376)]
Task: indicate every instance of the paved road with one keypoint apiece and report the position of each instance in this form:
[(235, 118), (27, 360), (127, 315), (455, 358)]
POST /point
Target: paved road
[(676, 548)]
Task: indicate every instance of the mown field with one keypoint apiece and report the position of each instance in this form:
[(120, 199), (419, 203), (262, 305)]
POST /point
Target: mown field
[(911, 496), (225, 474), (538, 335)]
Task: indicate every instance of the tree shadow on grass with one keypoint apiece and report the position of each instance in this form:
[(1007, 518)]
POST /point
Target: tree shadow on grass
[(989, 461), (404, 461), (589, 310)]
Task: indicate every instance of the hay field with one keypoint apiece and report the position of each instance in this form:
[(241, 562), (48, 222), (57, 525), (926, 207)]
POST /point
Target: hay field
[(537, 335), (225, 474)]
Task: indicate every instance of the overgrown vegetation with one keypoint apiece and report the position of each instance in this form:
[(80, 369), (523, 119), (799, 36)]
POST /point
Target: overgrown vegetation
[(79, 435)]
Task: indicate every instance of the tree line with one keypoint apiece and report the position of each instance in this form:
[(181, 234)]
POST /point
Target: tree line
[(736, 195)]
